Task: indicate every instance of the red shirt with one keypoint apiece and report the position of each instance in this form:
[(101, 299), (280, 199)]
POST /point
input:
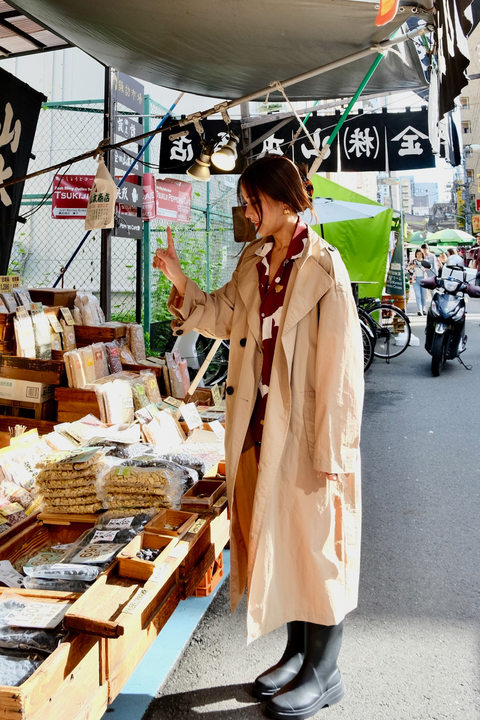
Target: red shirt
[(271, 308)]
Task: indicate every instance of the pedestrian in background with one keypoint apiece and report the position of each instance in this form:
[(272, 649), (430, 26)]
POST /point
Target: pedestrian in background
[(294, 400), (442, 259), (429, 256), (452, 251), (416, 272), (476, 255)]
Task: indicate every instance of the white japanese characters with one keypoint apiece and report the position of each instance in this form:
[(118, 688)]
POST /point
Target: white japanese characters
[(9, 136)]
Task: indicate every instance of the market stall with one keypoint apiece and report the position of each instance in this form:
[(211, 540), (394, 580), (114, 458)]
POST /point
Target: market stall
[(112, 505)]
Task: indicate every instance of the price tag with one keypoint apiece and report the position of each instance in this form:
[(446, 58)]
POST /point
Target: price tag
[(36, 307), (173, 401), (177, 552), (21, 312), (37, 615), (120, 523), (218, 429), (97, 553), (104, 535), (216, 395), (197, 526), (53, 320), (191, 416), (8, 576), (67, 315)]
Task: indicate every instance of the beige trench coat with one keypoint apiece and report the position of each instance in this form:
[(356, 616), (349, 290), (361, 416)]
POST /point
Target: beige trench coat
[(302, 561)]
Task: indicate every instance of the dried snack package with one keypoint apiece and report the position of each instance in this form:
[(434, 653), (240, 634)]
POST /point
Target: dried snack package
[(183, 367), (55, 340), (68, 368), (78, 373), (86, 353), (77, 316), (140, 399), (9, 301), (15, 668), (68, 335), (22, 296), (3, 307), (24, 336), (125, 352), (71, 586), (113, 357), (118, 402), (41, 330), (89, 308), (151, 386), (100, 360), (136, 340), (101, 402), (101, 203), (176, 378), (64, 571)]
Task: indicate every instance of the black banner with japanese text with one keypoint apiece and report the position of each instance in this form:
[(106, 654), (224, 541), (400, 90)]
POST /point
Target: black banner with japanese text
[(19, 109), (366, 142)]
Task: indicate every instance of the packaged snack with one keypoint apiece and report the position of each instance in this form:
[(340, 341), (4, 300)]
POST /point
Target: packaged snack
[(3, 307), (77, 316), (78, 373), (100, 360), (125, 352), (22, 296), (9, 301), (151, 386), (15, 668), (64, 571), (113, 357), (41, 329), (118, 400), (68, 335), (88, 363), (24, 336), (136, 341), (140, 399), (68, 368)]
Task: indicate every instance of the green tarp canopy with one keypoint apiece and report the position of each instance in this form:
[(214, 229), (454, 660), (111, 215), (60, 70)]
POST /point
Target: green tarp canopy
[(363, 244)]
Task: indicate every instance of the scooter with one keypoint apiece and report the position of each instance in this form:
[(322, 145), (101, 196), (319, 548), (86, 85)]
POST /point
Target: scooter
[(445, 337)]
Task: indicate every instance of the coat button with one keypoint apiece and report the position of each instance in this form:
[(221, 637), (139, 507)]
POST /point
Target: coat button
[(243, 342), (179, 332), (229, 390)]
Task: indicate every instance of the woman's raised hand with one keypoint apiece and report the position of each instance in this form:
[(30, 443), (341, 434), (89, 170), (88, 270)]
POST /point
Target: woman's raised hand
[(167, 261)]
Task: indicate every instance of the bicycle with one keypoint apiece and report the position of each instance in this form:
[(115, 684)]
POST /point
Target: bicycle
[(368, 345), (387, 322)]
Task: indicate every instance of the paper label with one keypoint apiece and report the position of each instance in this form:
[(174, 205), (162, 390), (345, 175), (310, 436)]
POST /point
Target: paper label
[(159, 573), (120, 523), (22, 312), (67, 315), (197, 526), (218, 429), (216, 395), (36, 307), (220, 501), (104, 535), (135, 601), (152, 409), (97, 553), (123, 471), (177, 552), (90, 360), (37, 615), (127, 402), (8, 576), (53, 320), (173, 401), (191, 416), (140, 389)]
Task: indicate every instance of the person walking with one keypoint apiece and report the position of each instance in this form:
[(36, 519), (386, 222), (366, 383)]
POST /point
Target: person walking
[(293, 410), (476, 254), (430, 257), (416, 272), (442, 259)]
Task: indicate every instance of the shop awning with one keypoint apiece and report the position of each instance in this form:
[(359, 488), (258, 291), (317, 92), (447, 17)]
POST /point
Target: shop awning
[(20, 35), (230, 49)]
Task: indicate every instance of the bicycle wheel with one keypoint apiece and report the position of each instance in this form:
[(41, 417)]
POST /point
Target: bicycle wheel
[(368, 345), (390, 324), (365, 317)]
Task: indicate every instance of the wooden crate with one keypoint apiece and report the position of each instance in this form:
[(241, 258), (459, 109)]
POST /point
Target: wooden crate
[(62, 297), (88, 334), (171, 522), (131, 566), (204, 548), (50, 372), (203, 495), (74, 404), (67, 685), (18, 409)]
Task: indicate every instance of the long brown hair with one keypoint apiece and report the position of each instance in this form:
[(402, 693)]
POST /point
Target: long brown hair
[(279, 178)]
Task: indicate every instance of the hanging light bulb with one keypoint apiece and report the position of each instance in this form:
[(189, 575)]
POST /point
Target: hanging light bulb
[(226, 157), (200, 170)]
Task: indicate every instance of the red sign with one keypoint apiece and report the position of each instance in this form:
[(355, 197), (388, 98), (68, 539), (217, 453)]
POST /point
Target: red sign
[(70, 196), (478, 204), (174, 200)]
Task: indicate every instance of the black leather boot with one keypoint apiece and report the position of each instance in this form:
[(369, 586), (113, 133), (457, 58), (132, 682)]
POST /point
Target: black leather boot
[(318, 683), (272, 680)]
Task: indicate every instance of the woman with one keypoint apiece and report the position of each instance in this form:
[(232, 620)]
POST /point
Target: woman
[(417, 273), (294, 401), (442, 259)]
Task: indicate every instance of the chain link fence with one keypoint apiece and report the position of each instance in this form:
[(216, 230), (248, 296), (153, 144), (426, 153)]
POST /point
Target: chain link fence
[(44, 244)]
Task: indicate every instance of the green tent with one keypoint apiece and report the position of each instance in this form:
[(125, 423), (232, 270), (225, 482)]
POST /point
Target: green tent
[(363, 244)]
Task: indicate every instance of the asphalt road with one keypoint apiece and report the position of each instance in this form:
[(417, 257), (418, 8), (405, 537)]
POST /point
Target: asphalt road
[(411, 650)]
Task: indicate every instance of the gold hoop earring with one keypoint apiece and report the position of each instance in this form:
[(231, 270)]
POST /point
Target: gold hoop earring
[(286, 211)]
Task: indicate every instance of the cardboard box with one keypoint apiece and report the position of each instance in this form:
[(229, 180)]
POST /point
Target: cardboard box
[(25, 390)]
